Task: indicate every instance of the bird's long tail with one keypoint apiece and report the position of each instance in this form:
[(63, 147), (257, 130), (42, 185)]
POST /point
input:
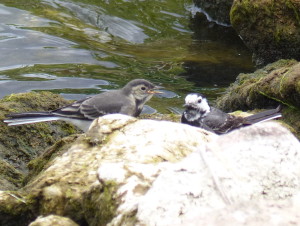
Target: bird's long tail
[(264, 116), (29, 117)]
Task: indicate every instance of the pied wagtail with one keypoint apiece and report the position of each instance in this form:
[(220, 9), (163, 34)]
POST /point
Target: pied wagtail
[(129, 101), (198, 113)]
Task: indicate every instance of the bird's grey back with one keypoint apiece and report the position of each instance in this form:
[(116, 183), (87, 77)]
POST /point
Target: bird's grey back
[(107, 103)]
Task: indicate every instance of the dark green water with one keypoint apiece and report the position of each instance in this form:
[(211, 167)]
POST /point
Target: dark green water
[(83, 47)]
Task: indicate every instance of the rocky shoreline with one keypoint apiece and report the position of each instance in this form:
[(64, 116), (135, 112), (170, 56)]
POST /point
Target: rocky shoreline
[(153, 170), (270, 29)]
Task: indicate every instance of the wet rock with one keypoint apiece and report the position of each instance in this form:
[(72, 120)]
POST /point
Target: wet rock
[(270, 29), (218, 10), (276, 83), (21, 144), (52, 220)]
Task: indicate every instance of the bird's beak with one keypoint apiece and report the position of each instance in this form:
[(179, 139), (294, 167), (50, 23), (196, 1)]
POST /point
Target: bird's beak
[(154, 90)]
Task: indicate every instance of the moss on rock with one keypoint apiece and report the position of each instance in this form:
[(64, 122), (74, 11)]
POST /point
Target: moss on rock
[(277, 83), (16, 209), (10, 177), (106, 211), (21, 144), (36, 165), (166, 117), (270, 29)]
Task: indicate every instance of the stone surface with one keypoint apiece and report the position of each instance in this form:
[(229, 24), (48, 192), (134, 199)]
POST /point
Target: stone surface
[(270, 29), (126, 171), (69, 184), (53, 220), (262, 212), (208, 179)]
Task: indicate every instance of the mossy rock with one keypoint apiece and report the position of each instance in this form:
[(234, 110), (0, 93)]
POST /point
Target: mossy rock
[(10, 177), (40, 163), (161, 117), (277, 83), (21, 144), (16, 208), (270, 29)]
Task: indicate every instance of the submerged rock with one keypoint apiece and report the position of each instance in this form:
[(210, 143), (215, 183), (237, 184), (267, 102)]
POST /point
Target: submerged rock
[(270, 29), (126, 171)]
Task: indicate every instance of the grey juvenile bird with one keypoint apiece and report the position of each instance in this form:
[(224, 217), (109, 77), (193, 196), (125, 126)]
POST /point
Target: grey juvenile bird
[(129, 101), (198, 113)]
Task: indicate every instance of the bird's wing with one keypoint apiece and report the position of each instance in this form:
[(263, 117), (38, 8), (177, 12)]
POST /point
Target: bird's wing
[(221, 122), (106, 103), (96, 106), (71, 110)]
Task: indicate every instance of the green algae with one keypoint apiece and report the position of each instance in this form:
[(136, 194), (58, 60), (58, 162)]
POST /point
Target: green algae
[(40, 163), (21, 144), (16, 209), (162, 117), (102, 203), (10, 177), (270, 29)]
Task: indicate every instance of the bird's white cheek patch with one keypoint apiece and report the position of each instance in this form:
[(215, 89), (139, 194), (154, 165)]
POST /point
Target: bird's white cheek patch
[(190, 99)]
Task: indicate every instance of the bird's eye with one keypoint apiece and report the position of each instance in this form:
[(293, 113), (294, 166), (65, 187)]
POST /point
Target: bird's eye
[(143, 88), (199, 101)]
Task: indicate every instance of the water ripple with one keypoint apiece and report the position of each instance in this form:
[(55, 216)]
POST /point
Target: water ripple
[(52, 83), (97, 16), (22, 47)]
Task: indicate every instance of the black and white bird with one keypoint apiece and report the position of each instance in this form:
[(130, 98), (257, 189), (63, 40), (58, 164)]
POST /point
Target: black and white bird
[(128, 100), (198, 113)]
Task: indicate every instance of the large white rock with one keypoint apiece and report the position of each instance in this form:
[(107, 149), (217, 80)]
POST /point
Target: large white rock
[(126, 150), (252, 163), (53, 220), (126, 171)]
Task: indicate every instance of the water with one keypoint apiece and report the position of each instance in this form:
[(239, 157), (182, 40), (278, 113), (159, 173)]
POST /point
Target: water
[(83, 47)]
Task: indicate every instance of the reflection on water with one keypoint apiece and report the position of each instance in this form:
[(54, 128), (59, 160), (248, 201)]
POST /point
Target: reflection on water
[(22, 47), (21, 18), (81, 47), (215, 68), (113, 25), (50, 82)]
